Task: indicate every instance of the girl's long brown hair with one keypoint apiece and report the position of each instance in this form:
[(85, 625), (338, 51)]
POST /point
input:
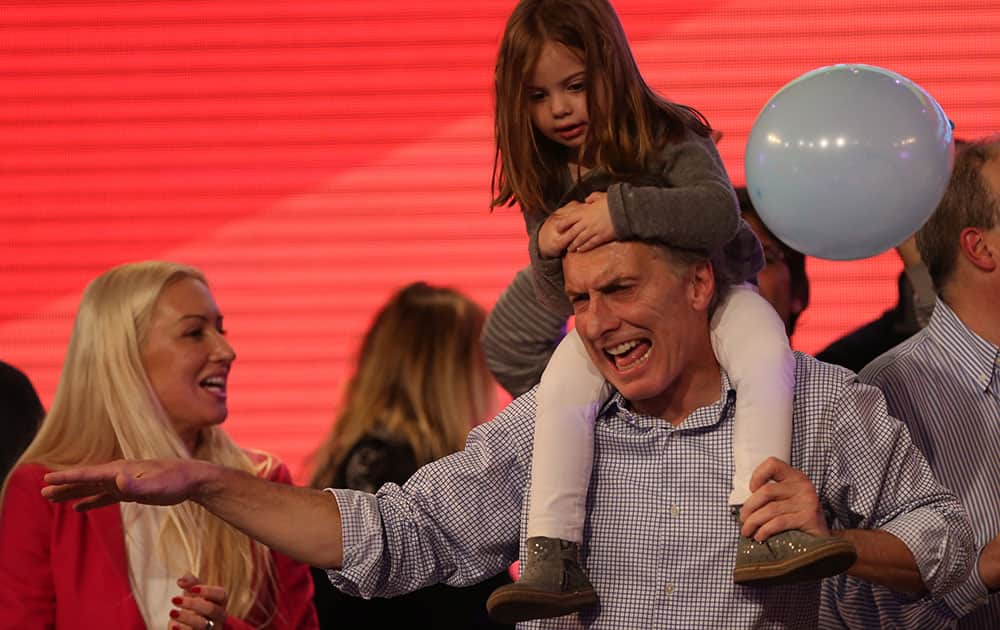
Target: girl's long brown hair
[(421, 376), (629, 122)]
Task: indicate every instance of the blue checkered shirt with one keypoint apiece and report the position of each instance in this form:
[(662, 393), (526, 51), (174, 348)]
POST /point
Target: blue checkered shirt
[(659, 539), (943, 384)]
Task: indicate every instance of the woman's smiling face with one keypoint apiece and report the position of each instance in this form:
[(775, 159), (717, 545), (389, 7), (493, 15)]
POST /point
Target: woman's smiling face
[(187, 358)]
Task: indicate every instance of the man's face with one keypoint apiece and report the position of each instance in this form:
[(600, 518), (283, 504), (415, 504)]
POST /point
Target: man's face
[(642, 321)]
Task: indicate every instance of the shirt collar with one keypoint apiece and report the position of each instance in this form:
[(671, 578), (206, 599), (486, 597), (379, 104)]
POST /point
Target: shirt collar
[(977, 356), (700, 418)]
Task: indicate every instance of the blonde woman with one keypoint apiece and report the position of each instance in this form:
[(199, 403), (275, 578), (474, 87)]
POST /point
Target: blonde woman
[(420, 384), (145, 376)]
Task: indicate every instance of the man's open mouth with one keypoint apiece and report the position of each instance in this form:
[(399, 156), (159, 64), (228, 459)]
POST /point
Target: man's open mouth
[(629, 355)]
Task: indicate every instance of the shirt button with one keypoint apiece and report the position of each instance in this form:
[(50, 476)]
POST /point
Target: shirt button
[(674, 510), (670, 589)]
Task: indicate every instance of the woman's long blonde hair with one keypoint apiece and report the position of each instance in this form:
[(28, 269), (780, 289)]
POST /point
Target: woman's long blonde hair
[(105, 409), (629, 122), (421, 375)]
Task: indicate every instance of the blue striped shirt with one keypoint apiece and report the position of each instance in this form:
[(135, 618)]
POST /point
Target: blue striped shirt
[(943, 384), (659, 538)]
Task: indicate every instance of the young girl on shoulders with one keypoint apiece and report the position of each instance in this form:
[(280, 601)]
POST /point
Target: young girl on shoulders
[(573, 113)]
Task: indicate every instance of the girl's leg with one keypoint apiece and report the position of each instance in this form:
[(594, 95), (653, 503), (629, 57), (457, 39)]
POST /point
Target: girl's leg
[(750, 343), (568, 398), (553, 582)]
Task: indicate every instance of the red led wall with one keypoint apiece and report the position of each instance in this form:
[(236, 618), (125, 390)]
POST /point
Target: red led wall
[(313, 156)]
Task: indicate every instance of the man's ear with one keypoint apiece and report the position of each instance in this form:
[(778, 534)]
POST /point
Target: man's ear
[(977, 250), (701, 285)]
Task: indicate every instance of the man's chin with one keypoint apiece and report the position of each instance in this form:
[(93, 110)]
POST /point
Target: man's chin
[(633, 391)]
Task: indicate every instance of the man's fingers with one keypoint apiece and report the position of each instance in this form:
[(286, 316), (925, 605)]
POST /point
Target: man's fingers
[(100, 500), (761, 497), (772, 469), (776, 517), (774, 507), (778, 524), (64, 485), (72, 491), (799, 493), (753, 519), (88, 474)]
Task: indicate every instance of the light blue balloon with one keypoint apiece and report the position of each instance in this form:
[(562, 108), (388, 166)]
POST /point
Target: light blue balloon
[(848, 161)]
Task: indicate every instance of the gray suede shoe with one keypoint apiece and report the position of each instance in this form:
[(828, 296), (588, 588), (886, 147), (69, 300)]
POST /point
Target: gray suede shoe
[(552, 584), (791, 556)]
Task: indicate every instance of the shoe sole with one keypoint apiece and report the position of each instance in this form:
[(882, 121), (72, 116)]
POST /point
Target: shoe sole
[(514, 606), (832, 559)]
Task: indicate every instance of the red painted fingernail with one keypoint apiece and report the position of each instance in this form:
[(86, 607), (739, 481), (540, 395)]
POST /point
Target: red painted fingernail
[(177, 601), (174, 614), (195, 589)]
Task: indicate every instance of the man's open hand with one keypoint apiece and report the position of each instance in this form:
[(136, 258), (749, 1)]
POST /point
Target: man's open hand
[(153, 482)]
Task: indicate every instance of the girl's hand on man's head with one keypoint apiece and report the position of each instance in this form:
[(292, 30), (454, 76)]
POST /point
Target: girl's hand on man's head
[(552, 237), (591, 224)]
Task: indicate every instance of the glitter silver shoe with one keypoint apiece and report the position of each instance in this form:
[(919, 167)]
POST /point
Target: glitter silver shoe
[(552, 584), (791, 556)]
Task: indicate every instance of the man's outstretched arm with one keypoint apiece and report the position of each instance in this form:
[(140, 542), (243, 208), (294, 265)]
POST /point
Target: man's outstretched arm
[(301, 523)]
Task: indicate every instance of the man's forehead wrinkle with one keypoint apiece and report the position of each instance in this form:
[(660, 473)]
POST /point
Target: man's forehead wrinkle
[(595, 277), (609, 275)]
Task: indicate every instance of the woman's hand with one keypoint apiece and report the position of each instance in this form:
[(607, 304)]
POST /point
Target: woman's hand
[(200, 606)]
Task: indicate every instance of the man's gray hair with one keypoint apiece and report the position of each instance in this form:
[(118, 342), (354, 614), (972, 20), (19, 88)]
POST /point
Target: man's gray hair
[(683, 259)]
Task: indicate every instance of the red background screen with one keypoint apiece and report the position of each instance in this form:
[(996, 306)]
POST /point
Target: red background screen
[(311, 157)]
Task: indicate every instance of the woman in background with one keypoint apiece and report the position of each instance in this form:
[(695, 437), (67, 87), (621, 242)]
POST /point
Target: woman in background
[(420, 384), (145, 376), (21, 414)]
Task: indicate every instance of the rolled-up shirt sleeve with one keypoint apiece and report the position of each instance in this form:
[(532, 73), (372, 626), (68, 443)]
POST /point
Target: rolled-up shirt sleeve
[(970, 595), (878, 479), (456, 521)]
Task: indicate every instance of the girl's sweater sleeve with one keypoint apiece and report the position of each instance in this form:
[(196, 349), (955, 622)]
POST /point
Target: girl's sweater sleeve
[(694, 208), (520, 336), (546, 273)]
